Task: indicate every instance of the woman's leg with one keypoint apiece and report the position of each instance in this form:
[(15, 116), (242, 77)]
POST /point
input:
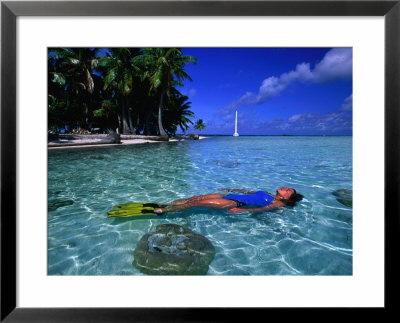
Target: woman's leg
[(215, 203), (195, 199)]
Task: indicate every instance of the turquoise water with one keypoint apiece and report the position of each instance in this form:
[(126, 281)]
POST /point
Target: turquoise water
[(312, 238)]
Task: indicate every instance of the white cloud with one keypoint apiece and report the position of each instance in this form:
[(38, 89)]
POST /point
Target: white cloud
[(294, 118), (339, 119), (347, 104), (336, 64)]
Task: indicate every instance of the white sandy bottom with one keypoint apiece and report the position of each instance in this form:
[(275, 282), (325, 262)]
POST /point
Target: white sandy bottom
[(78, 143)]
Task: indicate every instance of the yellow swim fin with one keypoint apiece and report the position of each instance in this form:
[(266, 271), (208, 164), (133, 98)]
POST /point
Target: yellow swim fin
[(133, 210)]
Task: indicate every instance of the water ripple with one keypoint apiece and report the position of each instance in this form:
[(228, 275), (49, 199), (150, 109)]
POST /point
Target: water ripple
[(313, 238)]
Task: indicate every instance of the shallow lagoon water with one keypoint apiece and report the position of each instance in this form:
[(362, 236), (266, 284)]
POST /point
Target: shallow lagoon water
[(312, 238)]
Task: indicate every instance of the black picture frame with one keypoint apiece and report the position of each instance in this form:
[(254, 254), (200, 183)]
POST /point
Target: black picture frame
[(10, 10)]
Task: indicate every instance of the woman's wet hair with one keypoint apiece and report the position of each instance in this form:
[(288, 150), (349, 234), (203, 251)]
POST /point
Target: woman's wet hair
[(296, 197)]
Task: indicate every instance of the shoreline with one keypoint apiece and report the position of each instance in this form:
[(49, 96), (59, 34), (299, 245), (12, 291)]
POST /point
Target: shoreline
[(92, 142)]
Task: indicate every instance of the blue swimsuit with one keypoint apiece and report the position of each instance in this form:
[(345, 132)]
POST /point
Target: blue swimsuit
[(259, 198)]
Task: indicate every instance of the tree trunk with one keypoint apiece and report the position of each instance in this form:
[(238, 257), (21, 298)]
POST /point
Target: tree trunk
[(125, 126), (87, 100), (130, 119), (138, 124), (160, 107), (119, 123)]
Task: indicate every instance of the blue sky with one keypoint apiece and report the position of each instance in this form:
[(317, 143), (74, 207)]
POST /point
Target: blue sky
[(296, 91)]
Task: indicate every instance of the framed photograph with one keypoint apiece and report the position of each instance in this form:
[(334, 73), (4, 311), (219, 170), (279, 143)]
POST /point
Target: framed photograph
[(197, 156)]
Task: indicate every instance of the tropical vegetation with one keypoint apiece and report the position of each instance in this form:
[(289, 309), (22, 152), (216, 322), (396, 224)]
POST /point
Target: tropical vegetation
[(131, 90), (200, 125)]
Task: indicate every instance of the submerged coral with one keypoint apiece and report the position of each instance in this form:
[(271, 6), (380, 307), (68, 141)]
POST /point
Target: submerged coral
[(344, 196), (173, 250)]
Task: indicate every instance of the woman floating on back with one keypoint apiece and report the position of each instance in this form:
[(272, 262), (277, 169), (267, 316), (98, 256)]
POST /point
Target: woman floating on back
[(255, 200)]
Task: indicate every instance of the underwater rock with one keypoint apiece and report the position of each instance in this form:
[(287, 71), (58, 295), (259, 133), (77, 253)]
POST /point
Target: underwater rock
[(344, 196), (348, 203), (343, 193), (54, 205), (173, 250)]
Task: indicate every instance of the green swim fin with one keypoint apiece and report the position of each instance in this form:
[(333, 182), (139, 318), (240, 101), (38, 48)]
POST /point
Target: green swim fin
[(133, 210)]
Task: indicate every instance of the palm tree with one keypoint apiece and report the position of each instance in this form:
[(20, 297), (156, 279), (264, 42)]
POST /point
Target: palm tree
[(145, 103), (107, 115), (161, 66), (183, 113), (73, 68), (177, 112), (119, 71), (199, 125), (56, 97)]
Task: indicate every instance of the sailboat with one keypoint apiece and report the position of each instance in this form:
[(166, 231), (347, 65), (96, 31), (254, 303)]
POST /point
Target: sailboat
[(236, 133)]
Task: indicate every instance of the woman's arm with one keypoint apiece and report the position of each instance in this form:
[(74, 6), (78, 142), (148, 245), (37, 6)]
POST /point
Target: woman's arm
[(237, 190), (274, 206)]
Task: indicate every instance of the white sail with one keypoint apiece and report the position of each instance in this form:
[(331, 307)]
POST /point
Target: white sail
[(236, 133)]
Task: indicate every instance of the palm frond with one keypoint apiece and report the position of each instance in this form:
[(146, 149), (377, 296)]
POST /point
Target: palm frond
[(58, 78), (110, 77), (127, 83), (105, 62), (71, 61)]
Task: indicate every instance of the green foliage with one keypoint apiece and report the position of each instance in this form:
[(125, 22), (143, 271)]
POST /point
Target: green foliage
[(58, 78), (125, 88), (177, 113), (200, 125), (107, 108), (160, 66)]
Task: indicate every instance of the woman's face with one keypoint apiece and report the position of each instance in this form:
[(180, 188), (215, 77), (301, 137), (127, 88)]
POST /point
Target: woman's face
[(286, 192)]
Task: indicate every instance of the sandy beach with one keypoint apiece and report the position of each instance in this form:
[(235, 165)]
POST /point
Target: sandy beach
[(97, 141)]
